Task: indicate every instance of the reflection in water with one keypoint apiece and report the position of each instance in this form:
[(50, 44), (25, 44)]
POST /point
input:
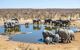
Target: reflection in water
[(34, 37), (11, 31), (48, 28), (27, 25), (15, 29), (2, 29), (36, 27)]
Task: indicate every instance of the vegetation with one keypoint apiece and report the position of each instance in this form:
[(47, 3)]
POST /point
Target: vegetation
[(40, 13)]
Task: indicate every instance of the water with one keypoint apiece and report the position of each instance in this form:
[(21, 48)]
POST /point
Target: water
[(33, 33), (33, 37), (1, 29)]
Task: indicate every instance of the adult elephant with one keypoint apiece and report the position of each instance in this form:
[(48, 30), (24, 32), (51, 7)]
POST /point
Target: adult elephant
[(72, 36), (11, 23), (66, 22), (57, 23), (7, 24), (47, 20), (45, 34), (36, 20), (65, 35), (50, 37)]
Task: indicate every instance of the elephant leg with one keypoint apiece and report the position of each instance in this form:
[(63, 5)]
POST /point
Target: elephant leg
[(57, 38), (68, 40), (72, 37), (62, 40)]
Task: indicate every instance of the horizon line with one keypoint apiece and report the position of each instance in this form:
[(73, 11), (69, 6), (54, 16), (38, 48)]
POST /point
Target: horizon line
[(39, 8)]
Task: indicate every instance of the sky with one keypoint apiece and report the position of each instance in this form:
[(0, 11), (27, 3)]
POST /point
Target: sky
[(39, 3)]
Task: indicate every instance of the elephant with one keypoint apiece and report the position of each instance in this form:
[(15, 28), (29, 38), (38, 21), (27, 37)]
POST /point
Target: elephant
[(65, 22), (45, 34), (11, 23), (71, 34), (57, 38), (57, 23), (50, 37), (47, 21), (65, 35), (7, 24), (49, 40), (36, 20), (61, 23), (15, 21)]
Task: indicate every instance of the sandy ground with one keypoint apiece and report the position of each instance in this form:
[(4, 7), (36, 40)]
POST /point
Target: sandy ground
[(6, 44)]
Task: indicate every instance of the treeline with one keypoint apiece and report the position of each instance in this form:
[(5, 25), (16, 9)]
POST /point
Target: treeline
[(40, 13)]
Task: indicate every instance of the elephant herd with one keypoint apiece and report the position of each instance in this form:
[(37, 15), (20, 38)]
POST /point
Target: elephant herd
[(61, 34), (61, 23), (11, 23), (58, 35)]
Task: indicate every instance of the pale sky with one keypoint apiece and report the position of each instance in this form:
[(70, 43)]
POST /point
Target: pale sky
[(39, 3)]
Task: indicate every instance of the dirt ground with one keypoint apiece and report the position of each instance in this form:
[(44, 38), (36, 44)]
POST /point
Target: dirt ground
[(11, 45), (6, 44)]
